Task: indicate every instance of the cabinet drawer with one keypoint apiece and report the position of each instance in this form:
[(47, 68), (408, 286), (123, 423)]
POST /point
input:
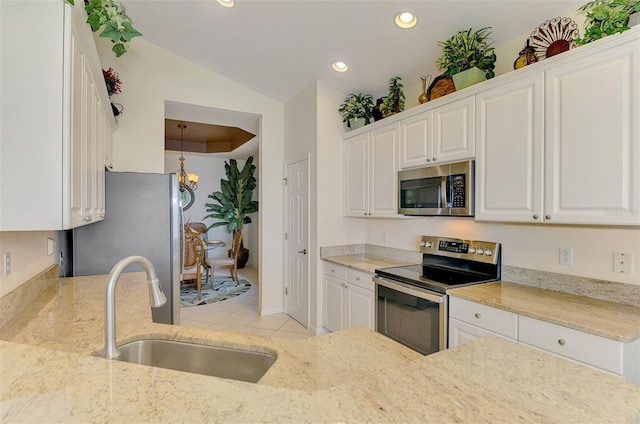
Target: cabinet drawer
[(360, 279), (587, 348), (492, 319), (335, 270)]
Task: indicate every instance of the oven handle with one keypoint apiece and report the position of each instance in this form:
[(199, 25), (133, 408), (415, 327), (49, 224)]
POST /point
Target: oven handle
[(422, 294)]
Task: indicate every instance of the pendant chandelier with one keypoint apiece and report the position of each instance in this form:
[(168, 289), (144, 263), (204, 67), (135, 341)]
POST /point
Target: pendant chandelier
[(186, 180)]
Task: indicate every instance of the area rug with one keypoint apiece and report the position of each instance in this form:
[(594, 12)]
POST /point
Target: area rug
[(223, 288)]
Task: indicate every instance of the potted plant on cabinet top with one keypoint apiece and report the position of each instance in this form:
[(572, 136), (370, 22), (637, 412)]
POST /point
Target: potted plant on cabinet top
[(607, 17), (117, 25), (234, 204), (356, 110), (467, 57), (394, 102)]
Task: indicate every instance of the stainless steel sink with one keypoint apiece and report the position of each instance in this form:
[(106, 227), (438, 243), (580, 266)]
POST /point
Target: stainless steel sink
[(216, 361)]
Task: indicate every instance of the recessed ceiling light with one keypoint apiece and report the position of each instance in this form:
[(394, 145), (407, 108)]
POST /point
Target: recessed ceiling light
[(225, 3), (406, 20), (339, 66)]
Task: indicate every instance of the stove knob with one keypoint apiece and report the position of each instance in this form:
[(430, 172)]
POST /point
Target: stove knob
[(488, 252), (480, 251), (428, 244), (472, 250), (423, 243)]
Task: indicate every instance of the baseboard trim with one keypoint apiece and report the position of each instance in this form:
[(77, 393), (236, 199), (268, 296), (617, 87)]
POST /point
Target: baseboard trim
[(273, 311)]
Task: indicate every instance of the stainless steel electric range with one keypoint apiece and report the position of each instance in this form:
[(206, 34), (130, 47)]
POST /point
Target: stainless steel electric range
[(411, 301)]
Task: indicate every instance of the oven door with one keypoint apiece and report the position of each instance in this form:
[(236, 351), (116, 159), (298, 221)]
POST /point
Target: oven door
[(410, 315)]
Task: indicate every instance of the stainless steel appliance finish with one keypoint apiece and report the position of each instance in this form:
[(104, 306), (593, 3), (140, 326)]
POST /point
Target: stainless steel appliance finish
[(412, 302), (446, 189), (236, 364), (142, 218)]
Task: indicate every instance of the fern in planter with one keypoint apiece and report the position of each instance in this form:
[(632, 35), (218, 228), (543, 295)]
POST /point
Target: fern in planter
[(466, 50), (606, 17), (117, 25)]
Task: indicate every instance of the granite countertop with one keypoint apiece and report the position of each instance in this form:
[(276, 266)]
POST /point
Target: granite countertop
[(50, 372), (606, 319), (365, 262)]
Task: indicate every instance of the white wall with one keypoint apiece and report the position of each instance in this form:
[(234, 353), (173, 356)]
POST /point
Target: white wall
[(526, 246), (150, 76), (28, 256)]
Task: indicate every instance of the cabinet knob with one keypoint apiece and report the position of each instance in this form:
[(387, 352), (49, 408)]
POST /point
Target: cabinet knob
[(428, 160), (535, 216), (303, 251), (547, 217), (357, 278), (435, 159), (365, 214), (477, 315), (87, 219), (562, 342)]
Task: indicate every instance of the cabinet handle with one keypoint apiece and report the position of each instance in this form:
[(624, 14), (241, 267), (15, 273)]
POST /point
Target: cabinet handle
[(535, 216), (357, 278), (87, 219), (303, 251), (477, 315), (547, 217), (562, 342)]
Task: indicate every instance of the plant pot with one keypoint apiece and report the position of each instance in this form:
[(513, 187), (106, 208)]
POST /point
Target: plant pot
[(634, 19), (243, 257), (468, 78), (356, 123)]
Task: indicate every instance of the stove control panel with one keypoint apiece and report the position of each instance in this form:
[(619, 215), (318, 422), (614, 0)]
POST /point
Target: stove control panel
[(473, 250)]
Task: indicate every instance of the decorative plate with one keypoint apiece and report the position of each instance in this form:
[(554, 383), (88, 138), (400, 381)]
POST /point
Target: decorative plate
[(441, 86), (554, 36)]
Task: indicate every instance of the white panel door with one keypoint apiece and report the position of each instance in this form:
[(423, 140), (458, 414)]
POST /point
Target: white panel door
[(334, 303), (356, 181), (592, 159), (360, 307), (416, 140), (509, 151), (297, 243), (454, 133), (383, 187), (73, 195)]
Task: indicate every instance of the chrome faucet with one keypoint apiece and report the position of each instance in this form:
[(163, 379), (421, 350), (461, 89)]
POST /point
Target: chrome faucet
[(156, 299)]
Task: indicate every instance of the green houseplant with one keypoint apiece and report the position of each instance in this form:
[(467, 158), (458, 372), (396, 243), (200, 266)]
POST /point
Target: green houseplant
[(606, 17), (467, 50), (117, 25), (394, 102), (356, 110), (233, 203)]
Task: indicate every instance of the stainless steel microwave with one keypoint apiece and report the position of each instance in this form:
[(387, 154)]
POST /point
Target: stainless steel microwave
[(446, 189)]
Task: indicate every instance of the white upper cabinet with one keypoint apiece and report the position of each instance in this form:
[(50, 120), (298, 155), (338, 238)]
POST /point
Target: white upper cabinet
[(592, 159), (56, 119), (440, 135), (509, 151), (371, 168), (562, 145)]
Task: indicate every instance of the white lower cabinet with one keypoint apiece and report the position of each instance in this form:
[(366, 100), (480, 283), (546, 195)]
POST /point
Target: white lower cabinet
[(469, 321), (348, 299)]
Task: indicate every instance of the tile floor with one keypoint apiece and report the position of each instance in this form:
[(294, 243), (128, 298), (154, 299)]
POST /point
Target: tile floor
[(240, 315)]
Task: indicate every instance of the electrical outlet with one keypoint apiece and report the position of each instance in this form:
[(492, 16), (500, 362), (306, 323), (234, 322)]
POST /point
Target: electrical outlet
[(6, 268), (50, 246), (566, 256), (622, 263)]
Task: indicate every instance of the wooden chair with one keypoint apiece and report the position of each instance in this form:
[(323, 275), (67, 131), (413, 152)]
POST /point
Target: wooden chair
[(193, 258), (231, 262)]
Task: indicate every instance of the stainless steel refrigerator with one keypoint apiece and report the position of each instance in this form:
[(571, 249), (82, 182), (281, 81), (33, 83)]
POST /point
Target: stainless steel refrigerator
[(143, 217)]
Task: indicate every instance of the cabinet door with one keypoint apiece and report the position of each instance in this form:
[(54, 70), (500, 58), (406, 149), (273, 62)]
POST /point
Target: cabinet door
[(592, 159), (453, 135), (334, 303), (416, 140), (383, 174), (355, 172), (509, 151), (461, 333), (360, 310)]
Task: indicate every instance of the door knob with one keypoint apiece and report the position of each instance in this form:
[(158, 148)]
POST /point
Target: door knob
[(303, 251)]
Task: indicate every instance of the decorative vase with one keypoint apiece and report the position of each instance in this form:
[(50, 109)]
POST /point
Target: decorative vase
[(468, 78), (423, 96), (634, 19), (116, 110)]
